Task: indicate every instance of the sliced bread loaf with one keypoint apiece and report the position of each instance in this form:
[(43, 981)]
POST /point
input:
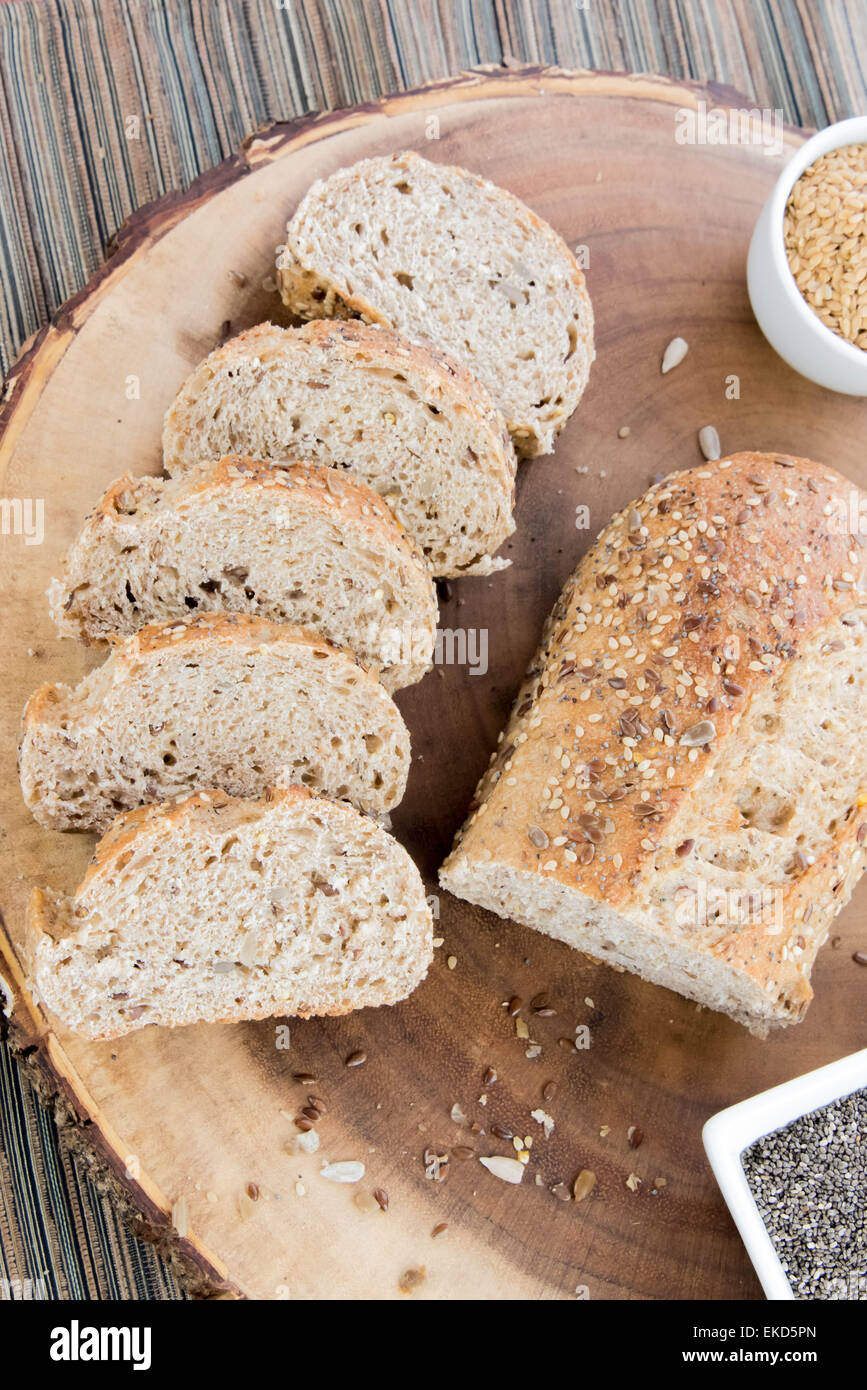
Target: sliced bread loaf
[(412, 424), (300, 545), (226, 701), (443, 256), (682, 787), (215, 909)]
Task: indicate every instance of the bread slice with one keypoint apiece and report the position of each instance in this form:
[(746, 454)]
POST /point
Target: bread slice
[(443, 256), (226, 701), (682, 787), (215, 909), (409, 422), (300, 545)]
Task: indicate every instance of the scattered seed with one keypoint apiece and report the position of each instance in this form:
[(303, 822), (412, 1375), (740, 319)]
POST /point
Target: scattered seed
[(708, 442), (549, 1091), (253, 1191), (516, 1003), (635, 1136), (583, 1184), (439, 1230), (349, 1170), (501, 1131), (462, 1152), (489, 1077), (545, 1120), (382, 1198), (356, 1059), (410, 1280), (567, 1044), (860, 957), (436, 1165), (305, 1143), (304, 1078), (674, 355), (561, 1192), (506, 1169)]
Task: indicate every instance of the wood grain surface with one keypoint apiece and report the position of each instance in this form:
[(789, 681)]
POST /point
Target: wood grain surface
[(203, 1112)]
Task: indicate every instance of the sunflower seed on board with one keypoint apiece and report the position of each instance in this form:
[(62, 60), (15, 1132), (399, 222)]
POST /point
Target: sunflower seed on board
[(674, 354), (348, 1170), (507, 1169), (708, 442)]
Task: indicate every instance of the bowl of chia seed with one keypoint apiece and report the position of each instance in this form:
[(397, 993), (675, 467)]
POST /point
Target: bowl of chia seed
[(792, 1166)]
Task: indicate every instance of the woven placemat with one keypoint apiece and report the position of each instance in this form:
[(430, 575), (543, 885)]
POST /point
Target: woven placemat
[(106, 105)]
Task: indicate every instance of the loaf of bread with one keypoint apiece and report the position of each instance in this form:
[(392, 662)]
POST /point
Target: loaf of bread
[(411, 423), (301, 545), (216, 909), (682, 787), (444, 257), (226, 701)]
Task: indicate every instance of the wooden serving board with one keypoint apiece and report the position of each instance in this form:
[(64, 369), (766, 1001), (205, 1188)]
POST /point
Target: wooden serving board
[(199, 1113)]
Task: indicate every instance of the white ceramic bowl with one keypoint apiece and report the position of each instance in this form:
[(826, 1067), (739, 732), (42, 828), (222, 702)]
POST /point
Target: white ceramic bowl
[(727, 1134), (784, 316)]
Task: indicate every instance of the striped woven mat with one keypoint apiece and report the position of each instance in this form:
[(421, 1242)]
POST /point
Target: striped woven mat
[(204, 74)]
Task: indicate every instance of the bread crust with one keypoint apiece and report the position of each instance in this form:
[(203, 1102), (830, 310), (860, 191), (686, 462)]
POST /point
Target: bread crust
[(324, 487), (777, 573)]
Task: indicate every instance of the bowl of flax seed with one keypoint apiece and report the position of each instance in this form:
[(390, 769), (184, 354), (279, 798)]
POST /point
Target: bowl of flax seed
[(807, 264)]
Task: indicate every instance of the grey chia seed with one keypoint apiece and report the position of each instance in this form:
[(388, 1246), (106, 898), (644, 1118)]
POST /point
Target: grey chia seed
[(810, 1185)]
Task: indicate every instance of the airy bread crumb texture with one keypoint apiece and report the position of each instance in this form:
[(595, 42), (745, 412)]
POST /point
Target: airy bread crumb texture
[(409, 422), (682, 787), (217, 909), (445, 257), (227, 701), (300, 545)]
